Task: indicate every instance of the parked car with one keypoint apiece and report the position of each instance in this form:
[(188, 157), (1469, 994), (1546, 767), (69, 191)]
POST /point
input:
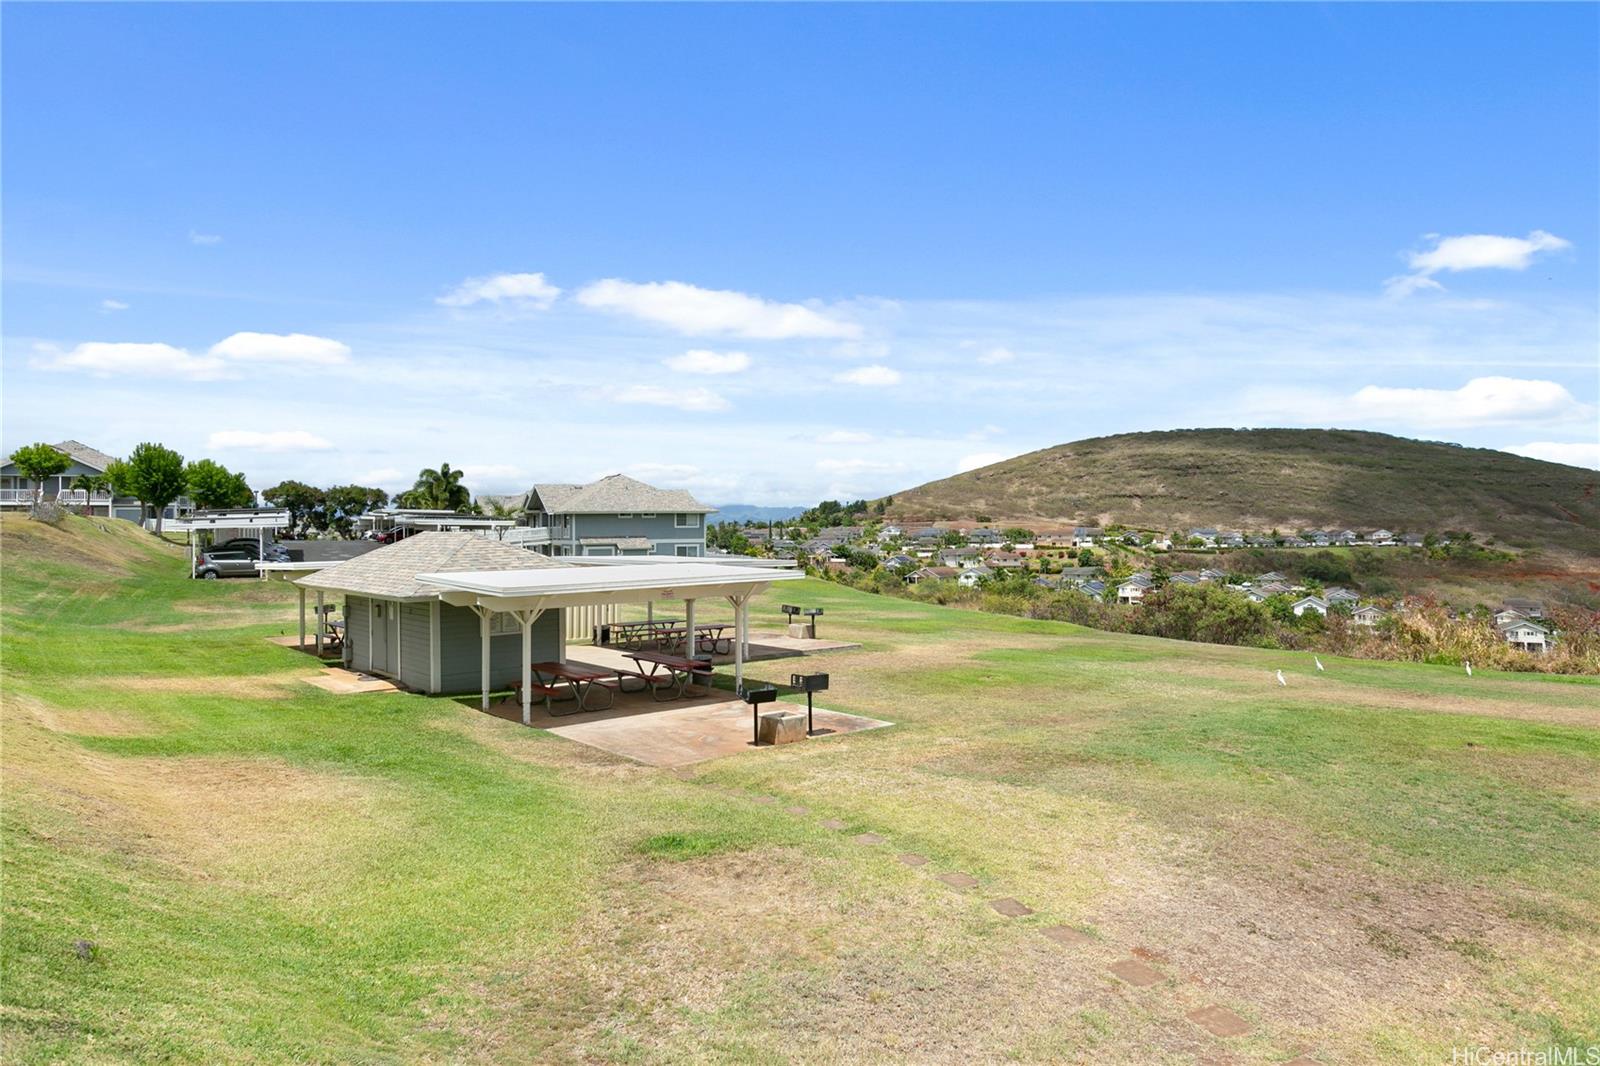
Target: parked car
[(275, 553), (213, 564)]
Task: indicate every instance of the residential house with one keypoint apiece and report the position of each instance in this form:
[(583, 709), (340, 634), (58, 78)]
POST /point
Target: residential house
[(1079, 573), (1528, 608), (1086, 536), (1231, 540), (1132, 538), (1004, 560), (1269, 577), (958, 557), (1185, 577), (1260, 540), (1381, 537), (1207, 537), (1161, 542), (1212, 574), (898, 561), (1293, 541), (1413, 540), (1336, 595), (931, 573), (928, 534), (18, 491), (1368, 615), (1525, 634), (972, 575), (984, 536), (1093, 587), (1344, 537), (1274, 588), (1133, 589), (1317, 538), (1309, 603), (615, 515)]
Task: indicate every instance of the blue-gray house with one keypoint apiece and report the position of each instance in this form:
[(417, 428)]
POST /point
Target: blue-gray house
[(18, 491), (616, 515)]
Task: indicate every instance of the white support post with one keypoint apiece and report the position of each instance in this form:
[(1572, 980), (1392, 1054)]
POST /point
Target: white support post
[(483, 651), (650, 610), (561, 634), (191, 553), (322, 623), (688, 629), (738, 642), (526, 618), (302, 643)]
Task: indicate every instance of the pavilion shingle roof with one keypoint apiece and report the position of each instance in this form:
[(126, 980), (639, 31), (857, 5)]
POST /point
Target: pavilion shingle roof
[(617, 494), (391, 572)]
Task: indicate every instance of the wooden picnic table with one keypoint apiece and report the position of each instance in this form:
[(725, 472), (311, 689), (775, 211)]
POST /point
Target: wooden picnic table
[(669, 632), (581, 679), (661, 672)]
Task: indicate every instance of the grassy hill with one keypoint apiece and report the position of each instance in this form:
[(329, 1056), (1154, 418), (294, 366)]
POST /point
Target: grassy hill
[(1276, 478), (207, 860)]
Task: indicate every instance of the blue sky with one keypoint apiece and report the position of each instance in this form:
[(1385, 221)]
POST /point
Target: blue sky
[(775, 253)]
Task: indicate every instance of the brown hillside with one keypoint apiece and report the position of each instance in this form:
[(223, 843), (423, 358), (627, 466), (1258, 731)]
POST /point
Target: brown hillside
[(1276, 478)]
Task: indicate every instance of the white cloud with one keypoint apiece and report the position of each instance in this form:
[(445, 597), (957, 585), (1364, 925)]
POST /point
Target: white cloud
[(204, 238), (703, 361), (1477, 251), (845, 436), (873, 375), (278, 440), (858, 466), (979, 459), (996, 356), (528, 291), (385, 475), (1570, 453), (695, 399), (1481, 401), (288, 348), (113, 305), (107, 359), (694, 311)]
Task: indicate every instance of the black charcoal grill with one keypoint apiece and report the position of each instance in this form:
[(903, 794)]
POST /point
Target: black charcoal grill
[(809, 683)]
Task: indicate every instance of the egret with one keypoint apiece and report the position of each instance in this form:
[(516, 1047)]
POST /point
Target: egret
[(1318, 662), (1469, 668), (1281, 681)]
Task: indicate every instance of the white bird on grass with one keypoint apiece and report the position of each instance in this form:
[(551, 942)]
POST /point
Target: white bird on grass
[(1318, 661), (1469, 668), (1281, 681)]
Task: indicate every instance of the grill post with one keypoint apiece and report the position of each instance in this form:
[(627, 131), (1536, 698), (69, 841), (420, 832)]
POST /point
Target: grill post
[(809, 684)]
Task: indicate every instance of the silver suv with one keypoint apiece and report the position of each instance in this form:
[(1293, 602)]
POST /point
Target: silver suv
[(214, 564)]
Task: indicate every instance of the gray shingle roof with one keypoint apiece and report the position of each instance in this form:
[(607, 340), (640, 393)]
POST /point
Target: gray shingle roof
[(617, 494), (93, 458), (391, 571), (620, 543)]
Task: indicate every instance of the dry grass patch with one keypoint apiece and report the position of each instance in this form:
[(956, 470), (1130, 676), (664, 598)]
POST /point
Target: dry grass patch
[(263, 686)]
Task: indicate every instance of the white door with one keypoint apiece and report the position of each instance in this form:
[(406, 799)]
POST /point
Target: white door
[(380, 636)]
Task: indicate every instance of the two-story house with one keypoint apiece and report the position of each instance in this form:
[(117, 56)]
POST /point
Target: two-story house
[(19, 491), (616, 515)]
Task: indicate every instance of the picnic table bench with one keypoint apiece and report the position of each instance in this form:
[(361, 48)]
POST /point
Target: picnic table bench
[(661, 672), (667, 633), (580, 681)]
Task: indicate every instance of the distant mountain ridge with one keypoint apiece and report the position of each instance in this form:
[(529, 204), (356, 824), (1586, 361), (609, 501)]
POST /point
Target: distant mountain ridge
[(746, 512), (1283, 479)]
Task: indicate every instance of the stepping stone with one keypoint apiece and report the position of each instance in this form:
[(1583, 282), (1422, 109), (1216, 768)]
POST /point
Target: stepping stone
[(959, 880), (798, 810), (1010, 908), (1149, 955), (869, 838), (1136, 973), (911, 858), (1068, 936), (834, 823), (1219, 1021)]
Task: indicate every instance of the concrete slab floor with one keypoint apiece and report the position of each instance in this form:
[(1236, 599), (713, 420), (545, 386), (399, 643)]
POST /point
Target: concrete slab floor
[(668, 733)]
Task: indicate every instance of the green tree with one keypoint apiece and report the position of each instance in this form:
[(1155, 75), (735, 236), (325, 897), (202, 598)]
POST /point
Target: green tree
[(305, 503), (154, 475), (213, 485), (37, 462), (439, 490), (343, 504)]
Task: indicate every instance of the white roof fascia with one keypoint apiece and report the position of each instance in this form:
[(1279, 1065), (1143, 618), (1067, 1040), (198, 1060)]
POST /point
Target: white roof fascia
[(571, 586)]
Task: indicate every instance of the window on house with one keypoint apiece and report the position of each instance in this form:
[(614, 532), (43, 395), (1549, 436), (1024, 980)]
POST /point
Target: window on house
[(502, 622), (647, 514), (625, 514), (688, 549), (686, 521)]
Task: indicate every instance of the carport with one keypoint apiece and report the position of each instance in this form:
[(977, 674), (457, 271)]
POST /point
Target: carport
[(527, 594)]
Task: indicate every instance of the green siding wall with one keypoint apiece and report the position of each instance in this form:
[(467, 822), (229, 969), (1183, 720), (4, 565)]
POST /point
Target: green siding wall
[(459, 664), (416, 647), (355, 632)]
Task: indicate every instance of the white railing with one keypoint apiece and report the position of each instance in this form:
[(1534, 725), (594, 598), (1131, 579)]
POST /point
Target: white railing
[(526, 536), (82, 496), (16, 495)]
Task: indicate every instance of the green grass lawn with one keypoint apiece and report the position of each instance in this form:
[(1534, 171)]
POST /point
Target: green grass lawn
[(1378, 862)]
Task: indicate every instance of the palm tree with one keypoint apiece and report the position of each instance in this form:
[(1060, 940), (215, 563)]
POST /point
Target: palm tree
[(90, 484), (439, 489)]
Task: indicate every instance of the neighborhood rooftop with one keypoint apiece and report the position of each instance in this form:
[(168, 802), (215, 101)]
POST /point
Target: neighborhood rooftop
[(613, 494), (392, 572)]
